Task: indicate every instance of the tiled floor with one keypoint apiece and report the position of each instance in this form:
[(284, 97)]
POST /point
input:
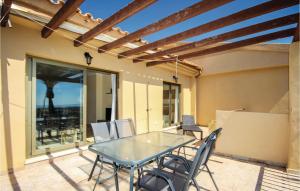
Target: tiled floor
[(71, 173)]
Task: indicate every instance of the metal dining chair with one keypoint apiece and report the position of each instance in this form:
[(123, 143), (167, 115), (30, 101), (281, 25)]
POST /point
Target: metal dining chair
[(125, 128), (160, 179), (179, 164), (101, 134)]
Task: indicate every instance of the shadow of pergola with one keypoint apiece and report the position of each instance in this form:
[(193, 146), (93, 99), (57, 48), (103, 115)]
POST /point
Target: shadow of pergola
[(272, 179)]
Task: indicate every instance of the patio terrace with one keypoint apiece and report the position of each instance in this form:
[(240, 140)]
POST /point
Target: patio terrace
[(71, 173)]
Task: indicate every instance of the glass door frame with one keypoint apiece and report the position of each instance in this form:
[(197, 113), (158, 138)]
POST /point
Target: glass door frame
[(169, 84), (31, 149)]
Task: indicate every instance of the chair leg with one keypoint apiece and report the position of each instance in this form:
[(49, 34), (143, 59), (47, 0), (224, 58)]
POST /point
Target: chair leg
[(196, 184), (211, 177), (95, 163), (184, 152)]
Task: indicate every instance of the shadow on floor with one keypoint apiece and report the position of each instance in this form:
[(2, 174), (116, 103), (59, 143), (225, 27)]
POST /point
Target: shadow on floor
[(63, 174), (278, 180)]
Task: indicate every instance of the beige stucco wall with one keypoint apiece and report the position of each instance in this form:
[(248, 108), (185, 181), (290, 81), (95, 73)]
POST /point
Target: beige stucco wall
[(254, 80), (260, 90), (136, 84), (260, 136)]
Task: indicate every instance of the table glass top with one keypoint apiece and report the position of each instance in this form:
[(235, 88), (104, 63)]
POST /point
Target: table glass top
[(140, 148)]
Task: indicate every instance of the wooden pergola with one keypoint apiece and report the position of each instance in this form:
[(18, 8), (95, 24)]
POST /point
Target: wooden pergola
[(167, 55)]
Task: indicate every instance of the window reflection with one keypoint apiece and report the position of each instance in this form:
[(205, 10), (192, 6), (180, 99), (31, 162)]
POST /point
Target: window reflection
[(59, 100)]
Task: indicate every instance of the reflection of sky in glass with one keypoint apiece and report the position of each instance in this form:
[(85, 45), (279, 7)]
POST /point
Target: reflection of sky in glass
[(65, 94)]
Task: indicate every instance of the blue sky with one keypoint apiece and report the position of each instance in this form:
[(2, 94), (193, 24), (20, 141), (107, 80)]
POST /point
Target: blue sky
[(162, 8)]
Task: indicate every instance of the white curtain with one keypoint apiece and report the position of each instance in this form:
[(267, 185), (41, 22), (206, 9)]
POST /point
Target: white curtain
[(176, 104), (114, 96)]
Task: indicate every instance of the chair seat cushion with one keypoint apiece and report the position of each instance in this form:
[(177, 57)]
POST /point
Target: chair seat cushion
[(152, 182)]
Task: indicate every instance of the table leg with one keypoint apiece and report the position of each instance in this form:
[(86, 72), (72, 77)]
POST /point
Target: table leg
[(137, 184), (131, 178), (116, 176)]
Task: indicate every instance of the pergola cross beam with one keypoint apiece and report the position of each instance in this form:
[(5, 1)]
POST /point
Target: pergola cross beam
[(267, 25), (119, 16), (68, 9), (296, 35), (230, 46), (240, 16), (187, 13), (5, 10)]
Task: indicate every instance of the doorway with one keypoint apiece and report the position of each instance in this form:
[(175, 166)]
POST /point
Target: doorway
[(101, 98)]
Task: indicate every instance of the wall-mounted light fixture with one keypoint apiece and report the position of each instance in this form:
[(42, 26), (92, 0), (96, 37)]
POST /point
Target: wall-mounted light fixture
[(88, 58), (175, 78)]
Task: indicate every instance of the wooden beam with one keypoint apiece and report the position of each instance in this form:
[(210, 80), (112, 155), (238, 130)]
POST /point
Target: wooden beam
[(282, 21), (296, 35), (5, 9), (68, 9), (230, 46), (187, 13), (247, 42), (132, 8), (243, 15)]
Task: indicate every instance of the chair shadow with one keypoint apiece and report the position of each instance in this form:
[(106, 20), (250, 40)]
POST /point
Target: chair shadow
[(107, 185)]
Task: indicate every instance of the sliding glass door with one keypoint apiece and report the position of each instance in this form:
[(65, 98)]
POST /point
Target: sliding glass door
[(57, 106), (62, 100), (170, 103)]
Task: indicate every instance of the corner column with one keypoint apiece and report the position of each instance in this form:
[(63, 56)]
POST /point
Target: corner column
[(294, 106)]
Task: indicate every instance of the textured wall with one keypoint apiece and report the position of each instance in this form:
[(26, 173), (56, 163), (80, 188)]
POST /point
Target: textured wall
[(262, 90), (260, 136), (136, 81)]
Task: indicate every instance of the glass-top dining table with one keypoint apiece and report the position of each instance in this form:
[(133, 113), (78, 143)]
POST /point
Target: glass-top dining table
[(137, 151)]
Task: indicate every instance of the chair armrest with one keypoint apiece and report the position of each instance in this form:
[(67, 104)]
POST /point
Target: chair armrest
[(184, 160), (156, 172)]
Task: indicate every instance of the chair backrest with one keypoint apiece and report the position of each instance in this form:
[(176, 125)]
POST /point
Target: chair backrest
[(125, 128), (218, 131), (188, 120), (198, 161), (112, 130), (216, 134), (100, 132)]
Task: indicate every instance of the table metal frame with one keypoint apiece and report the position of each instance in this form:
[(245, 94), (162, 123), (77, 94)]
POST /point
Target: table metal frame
[(132, 165)]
